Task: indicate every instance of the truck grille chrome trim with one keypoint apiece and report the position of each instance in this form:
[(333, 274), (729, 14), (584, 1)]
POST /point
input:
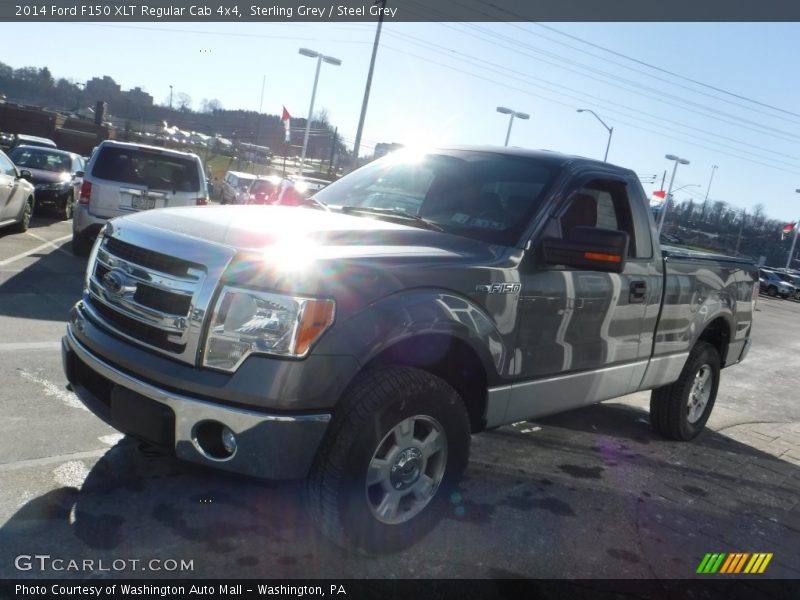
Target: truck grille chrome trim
[(152, 298)]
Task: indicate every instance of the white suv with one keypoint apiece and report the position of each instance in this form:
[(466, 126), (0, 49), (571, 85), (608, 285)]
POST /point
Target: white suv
[(122, 178)]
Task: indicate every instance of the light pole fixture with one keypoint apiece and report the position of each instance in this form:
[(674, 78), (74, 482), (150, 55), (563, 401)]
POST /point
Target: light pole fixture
[(603, 123), (320, 59), (668, 198), (508, 111), (794, 241), (687, 185)]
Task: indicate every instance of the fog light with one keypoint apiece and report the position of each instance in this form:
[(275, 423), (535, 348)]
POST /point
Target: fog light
[(228, 440)]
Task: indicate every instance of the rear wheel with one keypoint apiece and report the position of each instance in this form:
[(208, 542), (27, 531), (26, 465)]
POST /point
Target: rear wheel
[(80, 245), (772, 291), (25, 217), (680, 410), (394, 453), (64, 212)]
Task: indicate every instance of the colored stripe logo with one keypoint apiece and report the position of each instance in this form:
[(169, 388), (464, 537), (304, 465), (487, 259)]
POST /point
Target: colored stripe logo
[(734, 563)]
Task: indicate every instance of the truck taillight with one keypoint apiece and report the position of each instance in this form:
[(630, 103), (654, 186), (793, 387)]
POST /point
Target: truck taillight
[(202, 201), (86, 192)]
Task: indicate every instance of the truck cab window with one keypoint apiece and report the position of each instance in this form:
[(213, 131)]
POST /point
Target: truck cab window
[(602, 204)]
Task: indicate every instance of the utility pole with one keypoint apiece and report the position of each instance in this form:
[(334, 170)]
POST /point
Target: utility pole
[(794, 241), (708, 190), (741, 226), (360, 130), (170, 97), (333, 149)]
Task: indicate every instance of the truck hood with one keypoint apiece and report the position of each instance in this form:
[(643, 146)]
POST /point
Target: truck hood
[(316, 234)]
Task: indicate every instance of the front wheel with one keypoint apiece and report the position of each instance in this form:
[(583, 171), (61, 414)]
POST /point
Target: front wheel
[(772, 291), (395, 451), (680, 410)]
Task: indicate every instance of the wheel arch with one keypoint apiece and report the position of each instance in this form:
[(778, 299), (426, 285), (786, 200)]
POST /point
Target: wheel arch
[(718, 333), (447, 357)]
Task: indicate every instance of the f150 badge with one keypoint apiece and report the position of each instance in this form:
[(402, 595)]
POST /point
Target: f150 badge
[(499, 288)]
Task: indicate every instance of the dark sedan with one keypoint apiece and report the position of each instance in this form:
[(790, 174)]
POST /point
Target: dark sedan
[(57, 175)]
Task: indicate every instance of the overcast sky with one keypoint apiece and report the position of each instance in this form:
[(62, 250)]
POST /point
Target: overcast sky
[(441, 83)]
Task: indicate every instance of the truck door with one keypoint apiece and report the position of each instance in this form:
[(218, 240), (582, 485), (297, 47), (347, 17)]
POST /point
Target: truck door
[(580, 331)]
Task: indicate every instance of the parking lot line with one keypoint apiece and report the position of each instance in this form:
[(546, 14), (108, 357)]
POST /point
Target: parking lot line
[(48, 460), (52, 244), (23, 346)]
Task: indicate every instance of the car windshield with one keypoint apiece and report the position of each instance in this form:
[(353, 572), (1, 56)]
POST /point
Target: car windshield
[(147, 168), (44, 160), (481, 195)]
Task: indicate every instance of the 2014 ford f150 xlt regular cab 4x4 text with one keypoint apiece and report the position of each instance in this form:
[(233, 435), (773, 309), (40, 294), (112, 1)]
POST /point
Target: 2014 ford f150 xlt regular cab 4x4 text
[(429, 297)]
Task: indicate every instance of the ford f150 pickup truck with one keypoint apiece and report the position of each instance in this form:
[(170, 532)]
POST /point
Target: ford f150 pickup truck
[(429, 297)]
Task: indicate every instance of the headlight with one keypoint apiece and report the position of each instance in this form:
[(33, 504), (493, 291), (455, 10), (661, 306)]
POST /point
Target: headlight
[(249, 321)]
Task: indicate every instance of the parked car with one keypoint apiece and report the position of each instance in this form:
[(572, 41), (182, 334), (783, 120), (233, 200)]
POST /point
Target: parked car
[(122, 178), (235, 186), (21, 139), (277, 191), (309, 185), (361, 345), (17, 195), (792, 278), (771, 284), (57, 176), (262, 190)]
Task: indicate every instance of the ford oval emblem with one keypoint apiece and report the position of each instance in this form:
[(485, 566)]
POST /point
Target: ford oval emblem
[(115, 281)]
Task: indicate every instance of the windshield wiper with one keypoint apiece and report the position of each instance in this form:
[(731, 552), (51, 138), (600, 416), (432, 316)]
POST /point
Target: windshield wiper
[(391, 212)]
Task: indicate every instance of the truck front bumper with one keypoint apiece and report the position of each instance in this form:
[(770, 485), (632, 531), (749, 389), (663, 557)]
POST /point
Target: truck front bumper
[(271, 446)]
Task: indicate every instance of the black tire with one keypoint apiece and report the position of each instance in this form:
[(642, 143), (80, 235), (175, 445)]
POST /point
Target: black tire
[(341, 503), (670, 408), (64, 212), (80, 245), (25, 218), (772, 291)]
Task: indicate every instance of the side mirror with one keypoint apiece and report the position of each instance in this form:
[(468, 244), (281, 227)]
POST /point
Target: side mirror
[(26, 175), (588, 248), (79, 173)]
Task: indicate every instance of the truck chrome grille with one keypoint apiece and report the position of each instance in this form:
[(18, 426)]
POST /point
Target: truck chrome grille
[(154, 287)]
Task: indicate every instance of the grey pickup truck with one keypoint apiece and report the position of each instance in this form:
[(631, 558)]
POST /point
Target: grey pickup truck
[(360, 341)]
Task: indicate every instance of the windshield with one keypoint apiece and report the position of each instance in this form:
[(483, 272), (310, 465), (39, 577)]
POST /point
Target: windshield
[(482, 195), (149, 169), (34, 158)]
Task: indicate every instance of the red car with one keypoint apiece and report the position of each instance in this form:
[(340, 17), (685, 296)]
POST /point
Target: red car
[(274, 190)]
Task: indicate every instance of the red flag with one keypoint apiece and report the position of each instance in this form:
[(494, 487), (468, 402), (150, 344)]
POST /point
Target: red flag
[(787, 229), (657, 198), (286, 118)]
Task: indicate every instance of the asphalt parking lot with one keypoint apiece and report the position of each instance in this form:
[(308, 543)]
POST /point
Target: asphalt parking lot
[(590, 493)]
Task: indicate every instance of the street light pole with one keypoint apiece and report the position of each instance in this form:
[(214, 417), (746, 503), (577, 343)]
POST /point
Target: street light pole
[(363, 116), (603, 123), (507, 111), (668, 197), (170, 97), (320, 57), (794, 241)]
